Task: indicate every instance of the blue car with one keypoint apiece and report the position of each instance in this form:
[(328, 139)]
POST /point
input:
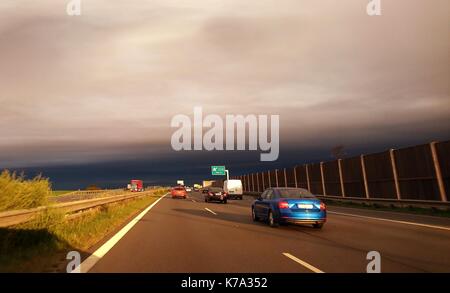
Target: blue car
[(289, 205)]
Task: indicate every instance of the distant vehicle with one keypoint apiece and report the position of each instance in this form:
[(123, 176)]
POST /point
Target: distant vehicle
[(178, 191), (137, 185), (233, 188), (207, 183), (289, 205), (180, 182), (188, 189), (215, 194), (197, 187)]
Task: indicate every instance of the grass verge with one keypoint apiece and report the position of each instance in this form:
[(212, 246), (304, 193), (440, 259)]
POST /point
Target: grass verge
[(42, 245)]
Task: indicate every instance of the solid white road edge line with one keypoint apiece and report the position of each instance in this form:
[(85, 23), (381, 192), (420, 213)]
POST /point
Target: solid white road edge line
[(88, 263), (392, 221), (303, 263), (211, 211)]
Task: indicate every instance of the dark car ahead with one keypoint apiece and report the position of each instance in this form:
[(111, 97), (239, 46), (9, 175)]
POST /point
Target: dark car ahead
[(215, 194), (289, 205)]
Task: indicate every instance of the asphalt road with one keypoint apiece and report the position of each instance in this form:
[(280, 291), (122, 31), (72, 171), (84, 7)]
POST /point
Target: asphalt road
[(182, 236)]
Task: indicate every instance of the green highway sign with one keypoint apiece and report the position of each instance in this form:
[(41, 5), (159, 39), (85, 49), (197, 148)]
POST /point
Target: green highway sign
[(217, 170)]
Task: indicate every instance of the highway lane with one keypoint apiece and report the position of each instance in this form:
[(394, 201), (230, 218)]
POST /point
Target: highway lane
[(194, 236)]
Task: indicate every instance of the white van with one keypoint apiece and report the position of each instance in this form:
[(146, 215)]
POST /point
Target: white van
[(233, 188)]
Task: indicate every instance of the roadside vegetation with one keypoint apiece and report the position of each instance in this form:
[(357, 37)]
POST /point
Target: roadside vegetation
[(42, 245), (16, 192)]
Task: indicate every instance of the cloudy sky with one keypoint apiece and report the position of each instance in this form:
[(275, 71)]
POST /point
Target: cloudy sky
[(104, 86)]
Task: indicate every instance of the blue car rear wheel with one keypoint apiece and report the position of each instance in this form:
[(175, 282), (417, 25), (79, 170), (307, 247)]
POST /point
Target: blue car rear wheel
[(272, 222), (254, 217), (318, 225)]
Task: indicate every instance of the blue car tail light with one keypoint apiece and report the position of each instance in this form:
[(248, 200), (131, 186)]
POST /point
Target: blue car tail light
[(283, 205)]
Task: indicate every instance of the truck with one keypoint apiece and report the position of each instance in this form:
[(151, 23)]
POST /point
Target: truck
[(180, 182), (136, 185), (207, 183), (233, 188)]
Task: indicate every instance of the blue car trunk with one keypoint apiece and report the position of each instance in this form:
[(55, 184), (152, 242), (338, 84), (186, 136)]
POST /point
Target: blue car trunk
[(302, 209)]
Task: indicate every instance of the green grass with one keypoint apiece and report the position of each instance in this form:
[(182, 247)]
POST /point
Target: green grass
[(60, 192), (391, 208), (41, 245)]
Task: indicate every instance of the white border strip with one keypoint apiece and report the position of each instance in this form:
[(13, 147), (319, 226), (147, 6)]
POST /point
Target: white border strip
[(392, 221), (88, 263), (303, 263), (211, 211)]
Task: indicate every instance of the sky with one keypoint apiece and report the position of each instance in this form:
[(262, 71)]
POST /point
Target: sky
[(91, 97)]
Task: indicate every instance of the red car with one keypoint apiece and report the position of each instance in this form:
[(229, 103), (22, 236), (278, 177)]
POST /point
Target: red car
[(178, 191)]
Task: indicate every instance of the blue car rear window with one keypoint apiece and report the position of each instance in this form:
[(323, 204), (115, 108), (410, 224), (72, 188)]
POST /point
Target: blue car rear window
[(294, 193)]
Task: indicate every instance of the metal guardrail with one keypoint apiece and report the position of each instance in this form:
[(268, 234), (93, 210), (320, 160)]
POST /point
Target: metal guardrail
[(86, 194), (89, 192), (11, 218), (381, 201)]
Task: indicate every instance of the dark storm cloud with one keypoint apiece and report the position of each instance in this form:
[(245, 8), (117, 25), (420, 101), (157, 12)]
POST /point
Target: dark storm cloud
[(104, 86)]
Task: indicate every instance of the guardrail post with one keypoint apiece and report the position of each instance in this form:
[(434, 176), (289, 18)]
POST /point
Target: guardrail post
[(366, 185), (257, 181), (307, 177), (285, 178), (276, 176), (253, 183), (341, 177), (437, 168), (394, 172), (270, 180), (323, 179), (295, 176), (263, 183)]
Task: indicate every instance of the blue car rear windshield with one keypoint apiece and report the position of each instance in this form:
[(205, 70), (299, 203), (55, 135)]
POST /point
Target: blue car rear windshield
[(294, 193)]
